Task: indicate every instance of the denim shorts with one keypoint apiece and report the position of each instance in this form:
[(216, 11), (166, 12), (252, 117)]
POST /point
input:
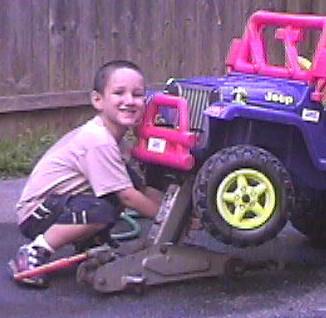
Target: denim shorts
[(77, 209)]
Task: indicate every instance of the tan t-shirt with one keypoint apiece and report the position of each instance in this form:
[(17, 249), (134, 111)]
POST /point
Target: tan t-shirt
[(86, 159)]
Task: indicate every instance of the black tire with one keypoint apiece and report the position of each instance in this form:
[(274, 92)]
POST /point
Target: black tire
[(309, 215), (277, 200)]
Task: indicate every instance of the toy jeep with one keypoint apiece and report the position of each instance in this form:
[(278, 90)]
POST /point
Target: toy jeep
[(255, 139)]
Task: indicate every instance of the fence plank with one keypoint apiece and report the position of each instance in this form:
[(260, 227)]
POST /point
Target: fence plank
[(88, 34), (56, 45), (105, 31), (5, 17), (18, 55), (299, 6), (40, 40), (72, 37), (22, 103)]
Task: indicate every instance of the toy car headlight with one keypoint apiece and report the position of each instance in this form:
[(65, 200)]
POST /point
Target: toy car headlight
[(215, 96), (172, 87)]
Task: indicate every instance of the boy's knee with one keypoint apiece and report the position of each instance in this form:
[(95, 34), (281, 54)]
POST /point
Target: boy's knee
[(104, 212), (85, 209)]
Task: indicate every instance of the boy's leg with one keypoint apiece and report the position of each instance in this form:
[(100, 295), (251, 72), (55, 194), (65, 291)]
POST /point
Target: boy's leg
[(80, 217), (59, 235), (89, 219)]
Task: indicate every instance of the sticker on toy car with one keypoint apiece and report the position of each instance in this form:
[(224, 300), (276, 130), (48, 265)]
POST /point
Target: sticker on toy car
[(156, 145), (310, 115), (215, 110), (279, 98), (240, 95)]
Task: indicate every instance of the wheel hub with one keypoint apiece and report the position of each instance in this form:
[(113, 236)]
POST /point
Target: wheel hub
[(246, 198)]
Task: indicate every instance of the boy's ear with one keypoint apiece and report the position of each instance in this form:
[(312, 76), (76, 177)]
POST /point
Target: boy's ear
[(96, 99)]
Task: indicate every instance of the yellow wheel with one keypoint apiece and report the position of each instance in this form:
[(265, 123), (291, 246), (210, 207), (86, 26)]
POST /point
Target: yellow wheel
[(246, 199), (243, 195)]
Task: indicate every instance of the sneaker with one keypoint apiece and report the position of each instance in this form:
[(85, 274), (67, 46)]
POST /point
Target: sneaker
[(28, 258)]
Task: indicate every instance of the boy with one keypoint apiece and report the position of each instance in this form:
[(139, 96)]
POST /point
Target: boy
[(80, 185)]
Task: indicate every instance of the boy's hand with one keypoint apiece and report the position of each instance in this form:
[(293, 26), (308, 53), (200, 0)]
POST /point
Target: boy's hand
[(147, 205)]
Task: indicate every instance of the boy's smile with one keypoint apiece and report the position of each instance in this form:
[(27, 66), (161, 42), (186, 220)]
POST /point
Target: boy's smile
[(125, 108)]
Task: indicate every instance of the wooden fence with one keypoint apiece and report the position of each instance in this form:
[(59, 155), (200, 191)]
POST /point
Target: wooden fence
[(50, 49)]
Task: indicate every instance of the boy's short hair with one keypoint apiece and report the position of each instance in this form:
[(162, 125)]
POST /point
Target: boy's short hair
[(104, 72)]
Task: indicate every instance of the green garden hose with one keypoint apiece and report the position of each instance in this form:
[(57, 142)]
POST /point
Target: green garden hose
[(128, 216)]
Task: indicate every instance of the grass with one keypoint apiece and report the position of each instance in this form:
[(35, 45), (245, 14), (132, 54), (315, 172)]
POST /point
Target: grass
[(18, 156)]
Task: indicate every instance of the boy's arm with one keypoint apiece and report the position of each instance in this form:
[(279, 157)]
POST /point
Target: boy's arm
[(146, 205)]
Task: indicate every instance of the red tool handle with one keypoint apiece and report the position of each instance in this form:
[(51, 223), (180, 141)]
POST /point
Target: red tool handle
[(52, 266)]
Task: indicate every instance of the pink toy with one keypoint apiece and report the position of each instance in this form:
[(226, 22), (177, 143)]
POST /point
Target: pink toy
[(163, 145)]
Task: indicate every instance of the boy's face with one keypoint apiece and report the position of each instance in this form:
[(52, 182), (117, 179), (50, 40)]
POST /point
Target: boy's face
[(122, 103)]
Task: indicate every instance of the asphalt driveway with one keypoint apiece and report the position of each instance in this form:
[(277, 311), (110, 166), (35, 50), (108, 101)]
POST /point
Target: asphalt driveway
[(296, 290)]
